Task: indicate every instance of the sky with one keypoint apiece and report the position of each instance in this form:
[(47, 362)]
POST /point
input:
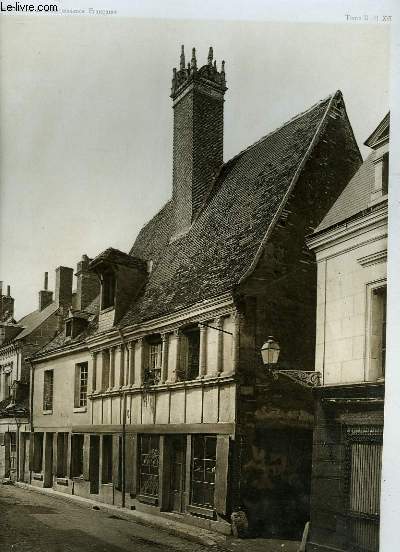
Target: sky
[(86, 119)]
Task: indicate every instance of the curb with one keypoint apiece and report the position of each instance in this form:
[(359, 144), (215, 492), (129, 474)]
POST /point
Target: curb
[(200, 536)]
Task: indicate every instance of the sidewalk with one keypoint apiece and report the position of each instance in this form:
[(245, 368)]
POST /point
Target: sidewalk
[(183, 530)]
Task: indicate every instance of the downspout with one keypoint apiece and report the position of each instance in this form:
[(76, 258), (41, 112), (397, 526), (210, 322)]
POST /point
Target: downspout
[(123, 444), (31, 414)]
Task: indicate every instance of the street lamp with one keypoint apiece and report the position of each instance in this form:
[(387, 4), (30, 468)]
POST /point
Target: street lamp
[(270, 351)]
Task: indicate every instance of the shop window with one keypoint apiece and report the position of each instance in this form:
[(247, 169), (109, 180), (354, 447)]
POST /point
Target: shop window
[(378, 332), (81, 384), (77, 442), (190, 353), (62, 451), (37, 452), (152, 372), (48, 383), (107, 457), (149, 465), (108, 290), (203, 471)]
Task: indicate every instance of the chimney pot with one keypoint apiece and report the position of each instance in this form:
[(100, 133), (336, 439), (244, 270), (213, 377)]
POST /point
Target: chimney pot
[(46, 281), (8, 291)]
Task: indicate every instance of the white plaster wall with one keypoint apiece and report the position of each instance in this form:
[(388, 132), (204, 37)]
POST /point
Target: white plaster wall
[(63, 392), (342, 313)]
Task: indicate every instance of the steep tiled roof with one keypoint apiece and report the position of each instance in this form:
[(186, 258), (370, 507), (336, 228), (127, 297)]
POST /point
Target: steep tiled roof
[(355, 197), (59, 340), (223, 241), (34, 319)]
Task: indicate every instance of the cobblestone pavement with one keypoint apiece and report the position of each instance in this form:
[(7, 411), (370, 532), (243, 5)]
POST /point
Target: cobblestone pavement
[(32, 522)]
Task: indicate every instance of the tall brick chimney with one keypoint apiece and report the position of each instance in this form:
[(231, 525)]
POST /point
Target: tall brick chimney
[(45, 296), (63, 292), (198, 102), (88, 284), (6, 304)]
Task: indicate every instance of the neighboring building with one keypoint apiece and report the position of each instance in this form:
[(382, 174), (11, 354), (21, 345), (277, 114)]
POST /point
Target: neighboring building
[(19, 340), (351, 249), (161, 402)]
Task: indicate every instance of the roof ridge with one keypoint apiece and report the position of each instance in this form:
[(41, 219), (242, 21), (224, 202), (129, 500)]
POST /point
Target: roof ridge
[(283, 125)]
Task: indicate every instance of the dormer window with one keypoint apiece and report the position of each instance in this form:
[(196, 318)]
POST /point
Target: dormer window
[(108, 290), (68, 328)]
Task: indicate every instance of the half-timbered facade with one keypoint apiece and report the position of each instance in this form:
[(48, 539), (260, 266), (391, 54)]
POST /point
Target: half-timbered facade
[(161, 401)]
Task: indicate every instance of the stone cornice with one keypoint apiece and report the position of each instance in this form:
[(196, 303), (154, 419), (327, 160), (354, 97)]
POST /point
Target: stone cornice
[(200, 312), (376, 218)]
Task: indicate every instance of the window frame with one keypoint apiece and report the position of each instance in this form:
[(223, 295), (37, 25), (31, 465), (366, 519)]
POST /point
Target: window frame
[(149, 468), (80, 397), (48, 391), (375, 371), (190, 363), (152, 372), (108, 289), (208, 486)]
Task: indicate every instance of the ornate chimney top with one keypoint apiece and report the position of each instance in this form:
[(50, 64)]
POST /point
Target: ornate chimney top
[(208, 74)]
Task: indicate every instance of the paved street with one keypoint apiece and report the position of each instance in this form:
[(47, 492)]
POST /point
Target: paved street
[(32, 522)]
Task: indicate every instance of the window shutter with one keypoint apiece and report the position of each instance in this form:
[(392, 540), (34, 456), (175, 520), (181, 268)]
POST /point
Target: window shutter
[(221, 474), (115, 459), (55, 454), (86, 456), (69, 456)]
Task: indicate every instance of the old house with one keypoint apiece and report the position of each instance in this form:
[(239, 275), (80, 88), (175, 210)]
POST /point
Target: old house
[(160, 401), (19, 340), (351, 250)]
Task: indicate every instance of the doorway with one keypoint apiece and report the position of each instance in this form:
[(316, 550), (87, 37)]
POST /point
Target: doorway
[(177, 447)]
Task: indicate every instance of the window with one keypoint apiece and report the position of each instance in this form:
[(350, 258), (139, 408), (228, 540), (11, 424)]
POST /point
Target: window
[(13, 450), (48, 390), (81, 384), (203, 470), (62, 450), (37, 452), (106, 366), (378, 333), (77, 442), (364, 478), (106, 476), (108, 290), (7, 386), (149, 465), (68, 328), (152, 373), (190, 353), (385, 173)]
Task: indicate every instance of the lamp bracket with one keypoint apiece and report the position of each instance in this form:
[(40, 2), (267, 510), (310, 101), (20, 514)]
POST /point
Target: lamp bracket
[(306, 379)]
